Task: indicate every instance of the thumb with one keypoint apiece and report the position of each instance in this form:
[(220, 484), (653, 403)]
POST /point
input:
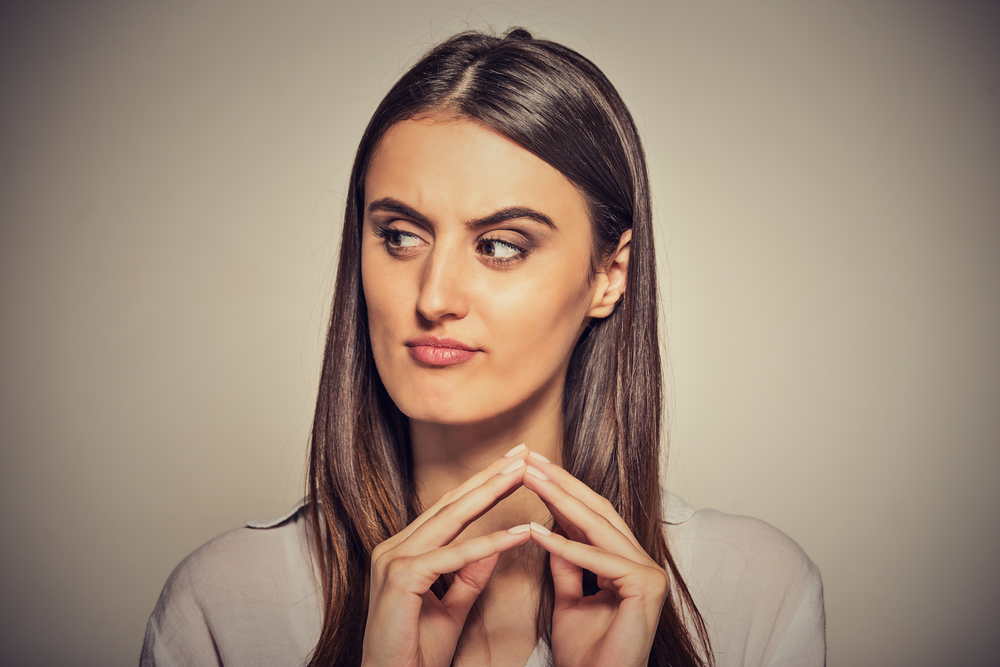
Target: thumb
[(567, 580), (469, 582)]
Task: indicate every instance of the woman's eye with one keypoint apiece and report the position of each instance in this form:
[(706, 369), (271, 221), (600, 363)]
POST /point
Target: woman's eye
[(496, 249), (399, 239)]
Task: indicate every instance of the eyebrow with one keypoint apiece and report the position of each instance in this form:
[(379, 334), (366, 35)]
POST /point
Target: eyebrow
[(390, 205)]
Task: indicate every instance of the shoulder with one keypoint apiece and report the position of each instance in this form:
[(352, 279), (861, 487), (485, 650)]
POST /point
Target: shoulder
[(758, 591), (750, 543), (707, 539), (249, 596), (243, 565)]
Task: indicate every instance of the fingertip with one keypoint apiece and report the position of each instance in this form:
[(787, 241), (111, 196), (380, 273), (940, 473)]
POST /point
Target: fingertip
[(516, 450), (513, 537), (536, 455), (532, 470), (537, 528), (513, 467)]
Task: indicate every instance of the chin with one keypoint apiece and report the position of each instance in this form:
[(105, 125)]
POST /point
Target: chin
[(441, 398), (443, 411)]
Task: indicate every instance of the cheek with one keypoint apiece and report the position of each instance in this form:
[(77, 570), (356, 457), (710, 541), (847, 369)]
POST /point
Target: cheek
[(538, 319), (383, 300), (380, 277)]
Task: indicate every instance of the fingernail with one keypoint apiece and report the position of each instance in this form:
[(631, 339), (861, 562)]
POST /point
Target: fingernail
[(539, 528), (519, 530), (532, 470), (520, 448), (516, 465), (539, 457)]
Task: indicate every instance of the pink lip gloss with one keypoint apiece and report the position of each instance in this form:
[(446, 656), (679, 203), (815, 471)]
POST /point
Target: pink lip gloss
[(435, 351)]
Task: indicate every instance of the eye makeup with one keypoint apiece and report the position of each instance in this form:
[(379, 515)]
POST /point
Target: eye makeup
[(498, 247), (501, 251), (396, 241)]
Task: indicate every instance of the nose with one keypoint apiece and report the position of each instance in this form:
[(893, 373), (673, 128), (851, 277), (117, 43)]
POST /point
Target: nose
[(443, 294)]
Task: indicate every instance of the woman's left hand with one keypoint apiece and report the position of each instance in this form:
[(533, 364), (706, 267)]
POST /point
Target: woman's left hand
[(616, 626)]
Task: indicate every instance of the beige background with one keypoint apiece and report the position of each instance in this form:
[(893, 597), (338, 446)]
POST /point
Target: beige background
[(827, 186)]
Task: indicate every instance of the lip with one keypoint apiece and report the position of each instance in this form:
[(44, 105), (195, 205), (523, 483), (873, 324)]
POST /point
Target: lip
[(435, 351)]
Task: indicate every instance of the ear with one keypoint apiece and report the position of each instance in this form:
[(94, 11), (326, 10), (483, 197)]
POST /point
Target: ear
[(609, 284)]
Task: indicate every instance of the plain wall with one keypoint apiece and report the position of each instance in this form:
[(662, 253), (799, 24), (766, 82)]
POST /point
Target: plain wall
[(827, 189)]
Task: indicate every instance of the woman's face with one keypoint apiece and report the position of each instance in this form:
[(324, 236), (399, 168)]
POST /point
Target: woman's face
[(476, 271)]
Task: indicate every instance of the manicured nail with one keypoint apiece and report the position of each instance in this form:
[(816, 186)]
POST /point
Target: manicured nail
[(517, 450), (539, 457), (516, 465), (532, 470), (539, 528), (519, 530)]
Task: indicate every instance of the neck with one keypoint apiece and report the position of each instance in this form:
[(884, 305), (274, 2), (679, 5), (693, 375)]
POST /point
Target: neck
[(445, 455)]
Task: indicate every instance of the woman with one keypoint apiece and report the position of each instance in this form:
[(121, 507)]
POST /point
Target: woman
[(483, 479)]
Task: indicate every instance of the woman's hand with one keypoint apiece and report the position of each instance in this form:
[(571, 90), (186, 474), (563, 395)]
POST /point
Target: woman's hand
[(407, 624), (616, 626)]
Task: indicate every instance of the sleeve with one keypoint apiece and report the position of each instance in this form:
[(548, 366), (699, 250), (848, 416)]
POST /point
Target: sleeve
[(759, 594), (178, 632), (247, 598), (803, 643)]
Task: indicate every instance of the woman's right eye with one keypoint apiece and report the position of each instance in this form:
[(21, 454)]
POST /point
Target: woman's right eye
[(397, 239), (400, 239)]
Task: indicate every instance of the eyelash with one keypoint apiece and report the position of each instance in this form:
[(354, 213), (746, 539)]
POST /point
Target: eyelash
[(521, 252), (386, 232)]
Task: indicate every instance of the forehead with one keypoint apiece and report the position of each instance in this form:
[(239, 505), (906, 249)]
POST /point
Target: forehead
[(459, 168)]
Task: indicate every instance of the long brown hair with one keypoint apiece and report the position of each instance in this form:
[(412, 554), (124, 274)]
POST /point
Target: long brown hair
[(558, 105)]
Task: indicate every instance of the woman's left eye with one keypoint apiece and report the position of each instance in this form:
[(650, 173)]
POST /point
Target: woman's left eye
[(498, 250)]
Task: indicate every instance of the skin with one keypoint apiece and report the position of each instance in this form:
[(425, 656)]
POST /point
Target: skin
[(517, 292)]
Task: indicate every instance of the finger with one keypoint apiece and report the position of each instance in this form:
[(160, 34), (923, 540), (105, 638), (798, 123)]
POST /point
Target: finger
[(518, 453), (416, 574), (567, 580), (575, 515), (629, 579), (584, 493), (469, 582), (450, 520), (566, 527)]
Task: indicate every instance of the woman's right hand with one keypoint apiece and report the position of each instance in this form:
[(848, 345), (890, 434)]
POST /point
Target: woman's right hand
[(407, 624)]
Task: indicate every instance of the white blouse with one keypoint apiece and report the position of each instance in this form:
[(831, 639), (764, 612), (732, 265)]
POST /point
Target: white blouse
[(251, 596)]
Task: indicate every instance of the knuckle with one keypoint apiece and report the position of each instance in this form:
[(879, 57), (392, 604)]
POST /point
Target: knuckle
[(496, 485), (590, 523), (447, 511), (397, 571), (606, 507), (467, 579), (657, 581), (462, 549), (448, 497), (379, 565), (496, 541), (465, 550)]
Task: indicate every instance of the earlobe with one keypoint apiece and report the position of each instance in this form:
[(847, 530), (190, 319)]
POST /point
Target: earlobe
[(609, 285)]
